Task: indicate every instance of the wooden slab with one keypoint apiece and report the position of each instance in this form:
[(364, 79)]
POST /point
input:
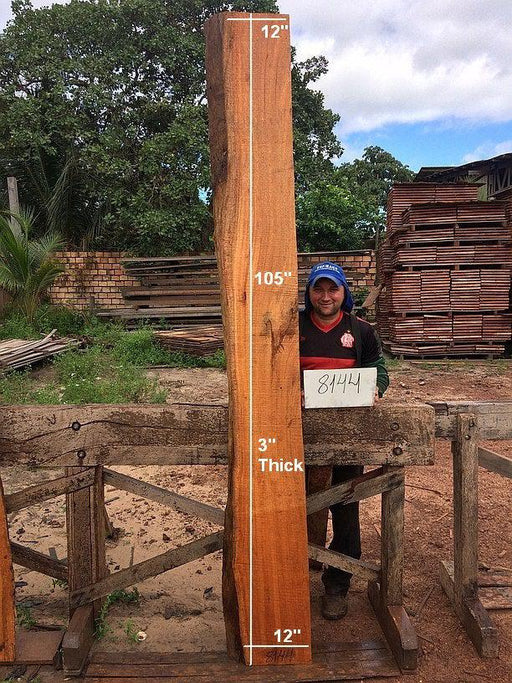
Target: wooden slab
[(7, 611), (333, 662), (194, 434), (38, 647), (265, 579)]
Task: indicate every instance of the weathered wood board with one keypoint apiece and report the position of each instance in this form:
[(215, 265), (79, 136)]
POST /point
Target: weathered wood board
[(265, 576), (7, 613), (191, 434)]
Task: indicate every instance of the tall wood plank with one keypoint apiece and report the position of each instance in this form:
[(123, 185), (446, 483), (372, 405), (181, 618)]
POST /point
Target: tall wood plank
[(7, 613), (265, 580)]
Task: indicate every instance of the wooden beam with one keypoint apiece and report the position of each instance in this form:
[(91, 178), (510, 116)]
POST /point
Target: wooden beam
[(58, 436), (86, 548), (370, 484), (14, 502), (463, 587), (164, 497), (39, 562), (77, 639), (265, 571), (495, 462), (365, 570), (465, 507), (7, 611), (176, 557), (494, 418), (392, 540)]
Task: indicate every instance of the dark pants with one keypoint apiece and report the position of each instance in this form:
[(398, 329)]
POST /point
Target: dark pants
[(346, 532)]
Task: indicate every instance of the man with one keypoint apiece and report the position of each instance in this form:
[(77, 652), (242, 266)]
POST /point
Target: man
[(332, 337)]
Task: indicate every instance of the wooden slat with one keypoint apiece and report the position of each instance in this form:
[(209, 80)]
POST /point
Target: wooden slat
[(77, 639), (494, 462), (369, 484), (7, 611), (164, 497), (39, 562), (48, 489), (317, 479), (148, 568), (365, 570), (38, 647), (188, 434), (336, 662), (265, 578)]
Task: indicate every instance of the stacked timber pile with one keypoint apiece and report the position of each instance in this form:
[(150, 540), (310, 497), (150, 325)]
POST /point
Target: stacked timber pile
[(198, 341), (185, 290), (18, 353), (445, 267)]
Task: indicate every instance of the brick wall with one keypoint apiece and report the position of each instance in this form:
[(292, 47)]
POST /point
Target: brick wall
[(93, 279)]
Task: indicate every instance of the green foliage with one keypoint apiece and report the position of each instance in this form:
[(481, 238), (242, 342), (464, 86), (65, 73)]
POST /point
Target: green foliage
[(24, 617), (17, 388), (96, 375), (27, 268), (103, 120), (126, 597), (330, 218), (348, 206), (131, 631)]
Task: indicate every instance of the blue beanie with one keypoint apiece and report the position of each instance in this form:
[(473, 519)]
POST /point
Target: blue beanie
[(335, 273)]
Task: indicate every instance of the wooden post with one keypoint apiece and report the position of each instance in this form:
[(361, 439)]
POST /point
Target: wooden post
[(86, 563), (7, 611), (265, 579), (386, 598), (462, 585)]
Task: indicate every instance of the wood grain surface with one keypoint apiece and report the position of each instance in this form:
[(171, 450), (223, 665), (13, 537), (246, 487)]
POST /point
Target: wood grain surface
[(265, 579)]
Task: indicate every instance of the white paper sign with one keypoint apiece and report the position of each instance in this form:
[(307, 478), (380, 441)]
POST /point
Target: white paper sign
[(340, 388)]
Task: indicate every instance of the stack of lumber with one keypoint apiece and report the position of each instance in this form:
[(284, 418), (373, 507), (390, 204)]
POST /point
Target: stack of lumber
[(445, 267), (18, 353), (198, 341), (183, 290)]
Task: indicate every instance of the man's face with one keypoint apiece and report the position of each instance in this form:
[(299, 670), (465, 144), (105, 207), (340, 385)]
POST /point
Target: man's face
[(326, 298)]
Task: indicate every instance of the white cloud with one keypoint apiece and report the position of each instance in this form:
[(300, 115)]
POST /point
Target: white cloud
[(488, 150), (409, 61)]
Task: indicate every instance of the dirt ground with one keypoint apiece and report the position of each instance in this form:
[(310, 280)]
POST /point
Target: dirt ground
[(182, 609)]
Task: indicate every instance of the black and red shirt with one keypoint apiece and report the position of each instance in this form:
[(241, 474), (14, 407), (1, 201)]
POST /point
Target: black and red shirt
[(333, 346)]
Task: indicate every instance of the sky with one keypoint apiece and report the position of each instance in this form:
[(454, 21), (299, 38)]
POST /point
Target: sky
[(428, 80)]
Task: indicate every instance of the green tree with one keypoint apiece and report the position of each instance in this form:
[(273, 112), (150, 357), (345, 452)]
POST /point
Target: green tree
[(103, 119), (371, 177), (348, 207), (27, 267), (331, 218)]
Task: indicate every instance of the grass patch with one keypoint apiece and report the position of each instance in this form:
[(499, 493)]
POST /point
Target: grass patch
[(101, 628), (24, 617)]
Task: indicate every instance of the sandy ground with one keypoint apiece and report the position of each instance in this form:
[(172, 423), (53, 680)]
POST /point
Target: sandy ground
[(182, 609)]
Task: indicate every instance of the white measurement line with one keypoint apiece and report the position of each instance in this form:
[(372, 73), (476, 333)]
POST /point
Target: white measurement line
[(250, 346), (274, 17), (279, 647)]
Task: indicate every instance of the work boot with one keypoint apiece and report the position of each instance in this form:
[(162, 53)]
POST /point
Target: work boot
[(334, 606)]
